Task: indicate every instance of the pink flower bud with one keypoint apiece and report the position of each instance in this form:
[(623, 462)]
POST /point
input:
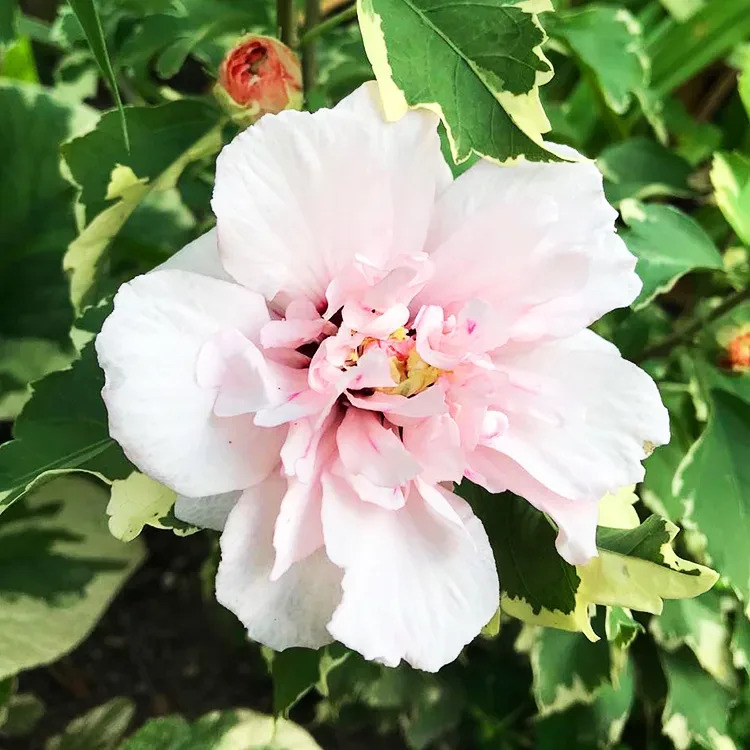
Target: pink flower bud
[(259, 75)]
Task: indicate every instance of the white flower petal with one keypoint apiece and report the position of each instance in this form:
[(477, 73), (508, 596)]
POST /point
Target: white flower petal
[(583, 416), (200, 256), (292, 611), (417, 586), (158, 413), (542, 244), (298, 195), (206, 512)]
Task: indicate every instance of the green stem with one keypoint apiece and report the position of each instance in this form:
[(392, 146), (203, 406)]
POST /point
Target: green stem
[(668, 343), (310, 49), (330, 23), (285, 21)]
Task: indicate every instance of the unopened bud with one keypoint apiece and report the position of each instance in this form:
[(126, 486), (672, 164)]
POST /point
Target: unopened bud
[(258, 76), (736, 354)]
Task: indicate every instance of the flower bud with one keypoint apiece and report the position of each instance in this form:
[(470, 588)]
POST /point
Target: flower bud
[(737, 352), (259, 75)]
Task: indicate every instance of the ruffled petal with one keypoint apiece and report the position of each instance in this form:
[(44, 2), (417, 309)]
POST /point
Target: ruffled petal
[(417, 586), (368, 448), (291, 611), (160, 415), (580, 418), (298, 196), (298, 531), (543, 246), (436, 443)]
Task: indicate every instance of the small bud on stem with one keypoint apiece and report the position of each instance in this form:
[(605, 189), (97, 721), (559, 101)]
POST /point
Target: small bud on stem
[(258, 76)]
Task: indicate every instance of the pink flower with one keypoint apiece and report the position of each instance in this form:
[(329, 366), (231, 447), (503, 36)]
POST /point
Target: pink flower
[(357, 334)]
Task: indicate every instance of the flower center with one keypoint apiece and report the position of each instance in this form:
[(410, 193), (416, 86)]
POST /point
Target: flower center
[(411, 373), (254, 59)]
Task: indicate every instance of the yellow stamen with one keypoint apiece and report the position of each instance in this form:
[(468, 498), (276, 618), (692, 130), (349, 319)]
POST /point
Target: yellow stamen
[(413, 376)]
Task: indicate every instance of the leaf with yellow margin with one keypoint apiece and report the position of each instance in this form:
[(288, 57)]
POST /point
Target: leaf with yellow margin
[(701, 625), (113, 181), (567, 668), (477, 65), (698, 707), (538, 586), (140, 501), (730, 177), (596, 724), (636, 567)]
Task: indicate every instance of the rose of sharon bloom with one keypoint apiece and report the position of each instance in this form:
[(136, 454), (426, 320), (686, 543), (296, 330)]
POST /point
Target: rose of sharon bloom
[(358, 334), (258, 76)]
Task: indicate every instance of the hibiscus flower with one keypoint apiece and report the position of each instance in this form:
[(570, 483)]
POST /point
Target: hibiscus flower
[(359, 333)]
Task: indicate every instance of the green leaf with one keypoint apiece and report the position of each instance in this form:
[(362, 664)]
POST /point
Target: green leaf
[(592, 33), (22, 361), (60, 569), (636, 567), (332, 658), (537, 584), (17, 62), (575, 119), (430, 705), (679, 50), (694, 140), (62, 428), (8, 10), (36, 212), (620, 627), (730, 177), (238, 729), (294, 671), (7, 688), (700, 624), (568, 668), (23, 712), (737, 266), (598, 724), (667, 243), (102, 728), (88, 17), (479, 65), (661, 466), (707, 375), (740, 643), (641, 168), (743, 84), (194, 27), (113, 182), (681, 10), (697, 707), (714, 481), (436, 708), (140, 501)]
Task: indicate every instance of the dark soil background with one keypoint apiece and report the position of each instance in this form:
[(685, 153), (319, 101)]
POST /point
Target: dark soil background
[(169, 647)]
